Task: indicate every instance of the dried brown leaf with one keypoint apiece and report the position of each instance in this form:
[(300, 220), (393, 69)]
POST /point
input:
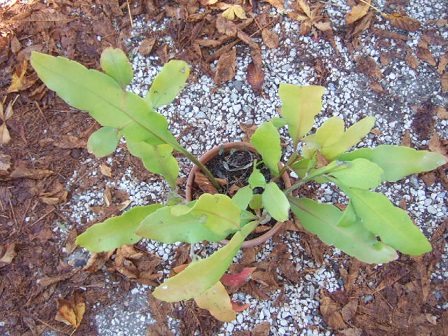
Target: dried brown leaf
[(349, 310), (403, 22), (147, 45), (435, 144), (205, 185), (412, 61), (262, 329), (330, 311), (442, 113), (225, 70), (304, 7), (425, 55), (97, 261), (7, 254), (368, 66), (444, 81), (226, 27), (105, 170), (5, 164), (270, 38), (4, 134), (34, 174), (279, 4), (442, 63), (71, 311), (357, 12), (19, 81)]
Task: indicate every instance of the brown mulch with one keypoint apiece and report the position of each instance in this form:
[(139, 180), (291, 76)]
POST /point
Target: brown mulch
[(40, 288)]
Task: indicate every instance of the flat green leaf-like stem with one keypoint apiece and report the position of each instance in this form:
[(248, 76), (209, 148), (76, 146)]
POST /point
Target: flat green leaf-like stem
[(202, 275), (266, 140), (387, 221), (341, 229), (115, 231), (398, 161)]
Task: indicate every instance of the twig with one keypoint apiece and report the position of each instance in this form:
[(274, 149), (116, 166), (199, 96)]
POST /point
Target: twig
[(130, 15)]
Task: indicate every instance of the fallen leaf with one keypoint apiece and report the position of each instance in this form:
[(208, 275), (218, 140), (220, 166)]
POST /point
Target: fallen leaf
[(255, 73), (425, 55), (330, 311), (442, 113), (97, 261), (34, 174), (443, 62), (233, 280), (403, 22), (368, 66), (262, 329), (435, 144), (358, 11), (444, 81), (349, 310), (4, 134), (5, 163), (270, 38), (226, 27), (7, 254), (19, 80), (412, 61), (71, 311), (277, 4), (231, 12), (225, 70), (105, 170), (147, 45)]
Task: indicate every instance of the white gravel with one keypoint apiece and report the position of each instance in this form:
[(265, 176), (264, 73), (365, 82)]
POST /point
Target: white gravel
[(214, 118)]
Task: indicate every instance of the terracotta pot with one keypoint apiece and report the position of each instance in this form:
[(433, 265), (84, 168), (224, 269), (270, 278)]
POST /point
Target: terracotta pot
[(215, 152)]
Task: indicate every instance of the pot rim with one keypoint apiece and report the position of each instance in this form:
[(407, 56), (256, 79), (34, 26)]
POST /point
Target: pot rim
[(210, 155)]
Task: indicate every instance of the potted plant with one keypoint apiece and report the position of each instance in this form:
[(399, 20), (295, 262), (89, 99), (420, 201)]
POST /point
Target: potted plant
[(370, 228)]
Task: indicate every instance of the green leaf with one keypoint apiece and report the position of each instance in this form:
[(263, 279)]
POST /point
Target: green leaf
[(359, 173), (257, 179), (115, 63), (168, 83), (243, 197), (103, 142), (266, 140), (330, 132), (300, 106), (157, 159), (203, 274), (170, 224), (390, 223), (275, 202), (398, 161), (341, 229), (116, 231), (102, 96), (256, 202), (220, 211), (350, 138)]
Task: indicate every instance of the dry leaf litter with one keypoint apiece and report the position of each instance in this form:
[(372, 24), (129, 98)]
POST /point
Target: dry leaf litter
[(205, 115)]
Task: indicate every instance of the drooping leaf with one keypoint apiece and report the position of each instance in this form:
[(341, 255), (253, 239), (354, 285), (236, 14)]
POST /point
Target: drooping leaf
[(103, 98), (203, 274), (360, 173), (398, 161), (115, 231), (168, 83), (217, 301), (157, 159), (300, 106), (341, 229), (387, 221), (169, 225), (266, 140), (350, 138), (275, 202), (103, 142), (115, 63), (330, 132)]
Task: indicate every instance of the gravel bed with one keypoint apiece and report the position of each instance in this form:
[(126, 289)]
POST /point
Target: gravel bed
[(213, 117)]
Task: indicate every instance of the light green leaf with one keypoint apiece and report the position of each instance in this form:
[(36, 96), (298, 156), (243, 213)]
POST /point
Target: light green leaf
[(398, 161), (168, 83), (220, 211), (116, 231), (243, 197), (217, 301), (387, 221), (157, 159), (266, 140), (350, 138), (275, 202), (330, 132), (341, 229), (115, 63), (203, 274), (256, 202), (172, 224), (102, 96), (300, 105), (257, 179), (359, 173), (103, 142)]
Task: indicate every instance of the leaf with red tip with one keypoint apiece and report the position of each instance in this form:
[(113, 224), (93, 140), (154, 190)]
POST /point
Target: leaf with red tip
[(234, 280)]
